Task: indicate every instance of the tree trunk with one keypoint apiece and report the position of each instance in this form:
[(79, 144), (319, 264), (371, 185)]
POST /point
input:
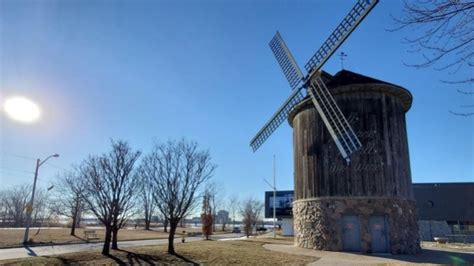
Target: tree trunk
[(214, 220), (165, 225), (78, 218), (115, 238), (73, 225), (147, 220), (147, 224), (74, 219), (173, 226), (108, 235)]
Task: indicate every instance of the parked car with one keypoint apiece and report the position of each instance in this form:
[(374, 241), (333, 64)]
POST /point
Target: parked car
[(236, 230), (261, 229)]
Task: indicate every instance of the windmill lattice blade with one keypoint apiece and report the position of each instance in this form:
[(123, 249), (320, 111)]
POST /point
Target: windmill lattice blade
[(341, 131), (337, 37), (276, 120), (286, 60)]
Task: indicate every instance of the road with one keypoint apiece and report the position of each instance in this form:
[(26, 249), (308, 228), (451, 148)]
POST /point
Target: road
[(24, 252)]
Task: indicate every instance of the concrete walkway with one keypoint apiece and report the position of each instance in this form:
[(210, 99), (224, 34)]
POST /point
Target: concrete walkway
[(429, 256), (24, 252)]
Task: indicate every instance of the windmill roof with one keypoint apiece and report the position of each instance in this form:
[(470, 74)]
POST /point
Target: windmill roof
[(343, 81), (346, 77)]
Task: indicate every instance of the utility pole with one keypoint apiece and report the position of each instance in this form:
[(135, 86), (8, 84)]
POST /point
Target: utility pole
[(29, 208), (274, 195)]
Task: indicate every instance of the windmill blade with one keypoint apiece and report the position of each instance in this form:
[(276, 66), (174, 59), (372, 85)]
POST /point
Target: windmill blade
[(337, 37), (286, 60), (339, 128), (276, 120)]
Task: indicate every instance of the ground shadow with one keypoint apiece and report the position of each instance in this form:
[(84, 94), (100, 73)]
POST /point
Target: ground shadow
[(125, 257), (80, 238), (30, 251), (434, 256), (186, 259), (139, 258)]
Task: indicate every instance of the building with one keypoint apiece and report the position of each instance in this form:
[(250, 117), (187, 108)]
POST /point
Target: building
[(366, 205), (443, 209), (283, 209)]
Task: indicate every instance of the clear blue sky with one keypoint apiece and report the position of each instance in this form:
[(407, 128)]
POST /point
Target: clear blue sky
[(145, 70)]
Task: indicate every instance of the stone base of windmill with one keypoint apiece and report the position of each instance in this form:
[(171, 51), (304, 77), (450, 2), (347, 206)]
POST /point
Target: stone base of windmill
[(362, 224)]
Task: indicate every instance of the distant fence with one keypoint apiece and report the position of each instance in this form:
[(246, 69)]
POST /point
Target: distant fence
[(455, 233)]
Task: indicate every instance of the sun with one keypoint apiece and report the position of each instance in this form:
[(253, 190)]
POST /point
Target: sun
[(21, 109)]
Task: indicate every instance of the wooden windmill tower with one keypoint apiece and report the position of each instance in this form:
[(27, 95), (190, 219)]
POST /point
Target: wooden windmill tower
[(352, 195)]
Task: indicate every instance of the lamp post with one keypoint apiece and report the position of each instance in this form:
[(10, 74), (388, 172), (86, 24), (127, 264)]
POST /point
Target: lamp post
[(29, 208)]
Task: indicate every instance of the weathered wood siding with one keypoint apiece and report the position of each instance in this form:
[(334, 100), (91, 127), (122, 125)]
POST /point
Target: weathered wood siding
[(381, 168)]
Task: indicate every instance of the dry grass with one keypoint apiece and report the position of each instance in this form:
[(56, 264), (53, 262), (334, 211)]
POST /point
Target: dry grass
[(201, 252), (14, 238)]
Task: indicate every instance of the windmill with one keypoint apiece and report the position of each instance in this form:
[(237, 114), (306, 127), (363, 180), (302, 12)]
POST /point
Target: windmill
[(339, 128)]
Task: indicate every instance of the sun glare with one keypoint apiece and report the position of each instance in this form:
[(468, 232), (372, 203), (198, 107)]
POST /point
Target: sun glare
[(21, 109)]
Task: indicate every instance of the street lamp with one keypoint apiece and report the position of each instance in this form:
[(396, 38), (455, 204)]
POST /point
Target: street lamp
[(29, 208)]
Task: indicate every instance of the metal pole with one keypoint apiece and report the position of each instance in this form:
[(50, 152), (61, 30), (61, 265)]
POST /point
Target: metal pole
[(29, 208), (274, 198)]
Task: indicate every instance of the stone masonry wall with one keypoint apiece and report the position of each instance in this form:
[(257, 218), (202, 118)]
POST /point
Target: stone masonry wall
[(318, 222)]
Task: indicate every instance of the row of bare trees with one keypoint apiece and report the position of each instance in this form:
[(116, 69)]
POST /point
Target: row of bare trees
[(118, 185), (13, 204), (168, 179), (122, 183)]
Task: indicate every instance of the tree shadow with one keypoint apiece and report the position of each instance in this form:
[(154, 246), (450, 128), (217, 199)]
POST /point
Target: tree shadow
[(140, 258), (30, 251), (185, 259), (434, 256), (80, 238), (124, 257)]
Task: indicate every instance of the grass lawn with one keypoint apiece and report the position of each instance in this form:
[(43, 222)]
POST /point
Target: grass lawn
[(200, 252), (14, 237)]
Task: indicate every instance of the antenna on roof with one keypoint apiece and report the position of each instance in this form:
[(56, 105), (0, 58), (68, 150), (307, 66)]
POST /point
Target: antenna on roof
[(341, 56)]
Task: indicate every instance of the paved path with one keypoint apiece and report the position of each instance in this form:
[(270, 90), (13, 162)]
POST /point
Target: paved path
[(16, 253), (429, 256)]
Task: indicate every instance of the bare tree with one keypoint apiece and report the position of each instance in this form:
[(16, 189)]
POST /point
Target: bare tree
[(444, 35), (110, 188), (165, 224), (3, 207), (223, 218), (16, 201), (40, 205), (212, 191), (206, 214), (251, 211), (68, 201), (178, 170), (146, 197), (233, 207)]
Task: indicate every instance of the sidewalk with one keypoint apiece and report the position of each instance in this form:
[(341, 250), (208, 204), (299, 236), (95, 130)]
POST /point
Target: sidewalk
[(24, 252), (16, 253), (429, 255)]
